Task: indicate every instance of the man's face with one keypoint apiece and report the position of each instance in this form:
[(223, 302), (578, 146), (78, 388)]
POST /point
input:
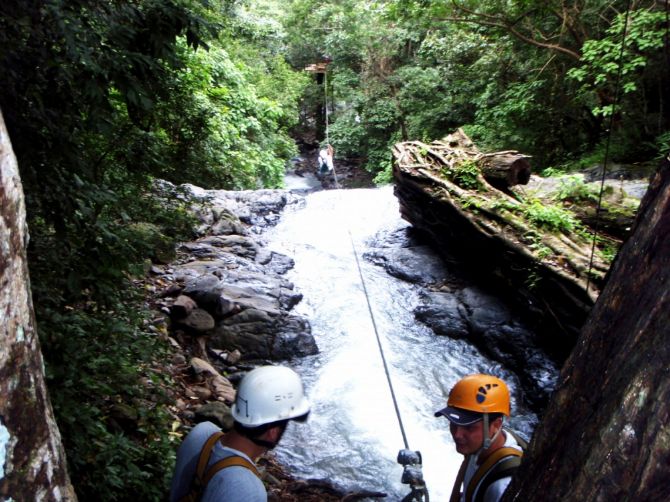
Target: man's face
[(468, 438)]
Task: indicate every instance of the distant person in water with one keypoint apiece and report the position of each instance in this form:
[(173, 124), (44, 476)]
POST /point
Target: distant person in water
[(216, 467), (326, 160), (476, 409)]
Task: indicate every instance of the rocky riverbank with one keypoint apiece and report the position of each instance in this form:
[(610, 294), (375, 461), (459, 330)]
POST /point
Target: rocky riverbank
[(224, 307)]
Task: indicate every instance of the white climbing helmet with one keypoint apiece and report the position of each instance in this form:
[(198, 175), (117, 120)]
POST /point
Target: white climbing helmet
[(268, 394)]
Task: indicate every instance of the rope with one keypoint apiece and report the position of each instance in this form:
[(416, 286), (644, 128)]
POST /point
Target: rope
[(325, 91), (607, 145), (379, 343), (325, 87)]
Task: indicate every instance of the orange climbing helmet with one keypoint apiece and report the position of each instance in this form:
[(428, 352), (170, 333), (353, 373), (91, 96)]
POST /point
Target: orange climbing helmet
[(474, 395)]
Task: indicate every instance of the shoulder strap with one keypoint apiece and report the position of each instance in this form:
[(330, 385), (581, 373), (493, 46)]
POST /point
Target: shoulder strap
[(229, 462), (488, 466), (197, 486), (205, 453), (456, 490), (503, 469)]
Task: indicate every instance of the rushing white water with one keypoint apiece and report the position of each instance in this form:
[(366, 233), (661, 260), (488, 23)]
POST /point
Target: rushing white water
[(353, 436)]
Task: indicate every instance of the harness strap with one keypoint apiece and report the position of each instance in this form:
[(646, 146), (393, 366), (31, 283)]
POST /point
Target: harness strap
[(229, 462), (456, 490), (506, 468), (205, 453), (489, 464), (204, 475)]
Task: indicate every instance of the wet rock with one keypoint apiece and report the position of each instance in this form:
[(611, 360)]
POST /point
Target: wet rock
[(417, 264), (206, 292), (294, 339), (182, 307), (484, 310), (251, 339), (276, 262), (228, 224), (442, 312), (215, 412), (198, 321), (489, 324), (259, 336), (215, 246)]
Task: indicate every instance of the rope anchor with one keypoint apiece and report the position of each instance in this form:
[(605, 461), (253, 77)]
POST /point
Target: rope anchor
[(412, 475)]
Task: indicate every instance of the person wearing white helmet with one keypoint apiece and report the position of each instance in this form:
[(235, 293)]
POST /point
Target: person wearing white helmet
[(213, 466)]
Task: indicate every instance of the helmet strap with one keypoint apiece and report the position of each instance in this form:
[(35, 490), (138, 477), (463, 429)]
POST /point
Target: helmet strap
[(262, 442), (271, 444), (488, 441)]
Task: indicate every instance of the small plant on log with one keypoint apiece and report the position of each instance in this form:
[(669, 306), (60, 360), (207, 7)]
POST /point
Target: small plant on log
[(550, 217), (465, 175), (573, 189)]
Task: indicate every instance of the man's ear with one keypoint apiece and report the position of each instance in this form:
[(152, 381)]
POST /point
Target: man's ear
[(496, 425), (274, 433)]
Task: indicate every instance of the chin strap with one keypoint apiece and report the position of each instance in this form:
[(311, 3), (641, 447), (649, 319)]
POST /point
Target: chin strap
[(262, 442), (488, 441)]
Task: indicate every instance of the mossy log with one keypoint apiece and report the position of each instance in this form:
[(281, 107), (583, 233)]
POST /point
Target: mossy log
[(551, 271), (505, 169)]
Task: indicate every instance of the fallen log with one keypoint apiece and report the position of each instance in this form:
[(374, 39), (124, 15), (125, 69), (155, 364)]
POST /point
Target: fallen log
[(538, 251), (503, 170)]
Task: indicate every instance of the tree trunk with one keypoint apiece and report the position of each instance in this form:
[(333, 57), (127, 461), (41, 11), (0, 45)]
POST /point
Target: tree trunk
[(549, 272), (605, 434), (503, 170), (32, 461)]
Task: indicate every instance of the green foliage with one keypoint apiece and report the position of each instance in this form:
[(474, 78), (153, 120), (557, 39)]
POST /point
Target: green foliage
[(420, 77), (551, 171), (549, 217), (100, 99), (573, 189), (98, 360), (662, 144), (464, 174), (601, 58)]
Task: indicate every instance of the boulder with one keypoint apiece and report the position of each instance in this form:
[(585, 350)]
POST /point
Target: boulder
[(215, 412), (182, 307), (198, 321)]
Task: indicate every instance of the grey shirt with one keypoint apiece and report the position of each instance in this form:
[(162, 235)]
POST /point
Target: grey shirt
[(232, 484)]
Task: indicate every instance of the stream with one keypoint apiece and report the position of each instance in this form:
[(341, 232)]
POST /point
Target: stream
[(353, 436)]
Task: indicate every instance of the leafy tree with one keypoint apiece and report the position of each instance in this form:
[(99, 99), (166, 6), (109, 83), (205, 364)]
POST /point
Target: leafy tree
[(410, 69), (100, 98)]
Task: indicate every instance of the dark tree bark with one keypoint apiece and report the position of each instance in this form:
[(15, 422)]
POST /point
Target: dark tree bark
[(605, 434), (32, 461)]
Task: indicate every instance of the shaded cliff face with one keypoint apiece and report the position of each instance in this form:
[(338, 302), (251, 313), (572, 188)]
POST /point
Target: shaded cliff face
[(614, 387)]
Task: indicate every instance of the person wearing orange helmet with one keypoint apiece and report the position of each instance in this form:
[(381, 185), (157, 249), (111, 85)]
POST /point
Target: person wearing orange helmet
[(476, 408)]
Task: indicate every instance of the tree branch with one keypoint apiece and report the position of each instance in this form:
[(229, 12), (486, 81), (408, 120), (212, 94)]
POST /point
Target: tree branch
[(483, 19)]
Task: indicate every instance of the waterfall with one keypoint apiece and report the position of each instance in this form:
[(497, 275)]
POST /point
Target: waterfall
[(352, 437)]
